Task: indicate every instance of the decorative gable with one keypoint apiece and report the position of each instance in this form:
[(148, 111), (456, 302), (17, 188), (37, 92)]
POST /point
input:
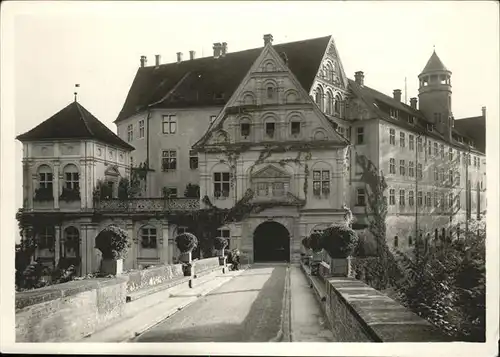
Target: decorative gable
[(270, 172), (112, 171)]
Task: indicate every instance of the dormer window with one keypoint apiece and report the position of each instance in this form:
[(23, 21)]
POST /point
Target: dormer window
[(430, 127), (411, 119), (394, 113)]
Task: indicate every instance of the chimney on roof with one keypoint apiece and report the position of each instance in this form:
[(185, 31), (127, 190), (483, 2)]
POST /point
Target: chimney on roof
[(217, 49), (223, 49), (192, 54), (268, 39), (413, 102), (359, 78), (144, 61), (483, 109), (179, 57), (397, 94), (157, 60)]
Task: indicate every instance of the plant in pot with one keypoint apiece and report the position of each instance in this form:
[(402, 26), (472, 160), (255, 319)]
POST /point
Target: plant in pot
[(316, 247), (220, 243), (186, 242), (113, 243), (340, 241)]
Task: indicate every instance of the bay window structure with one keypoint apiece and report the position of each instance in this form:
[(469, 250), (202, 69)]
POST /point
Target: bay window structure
[(222, 184), (148, 237)]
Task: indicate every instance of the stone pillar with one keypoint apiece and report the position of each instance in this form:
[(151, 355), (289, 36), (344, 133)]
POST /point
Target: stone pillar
[(131, 260), (31, 193), (55, 185), (57, 248), (164, 243), (341, 267)]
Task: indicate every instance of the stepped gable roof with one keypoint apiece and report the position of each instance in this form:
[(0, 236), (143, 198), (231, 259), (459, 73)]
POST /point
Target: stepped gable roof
[(74, 122), (434, 64), (475, 127), (210, 81), (463, 127)]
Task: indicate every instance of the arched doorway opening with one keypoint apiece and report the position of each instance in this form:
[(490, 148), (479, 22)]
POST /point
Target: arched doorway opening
[(271, 243)]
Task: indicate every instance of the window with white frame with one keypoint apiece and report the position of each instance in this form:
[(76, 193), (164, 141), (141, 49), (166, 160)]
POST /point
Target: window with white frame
[(193, 160), (360, 197), (450, 177), (428, 199), (270, 129), (321, 183), (169, 124), (436, 199), (419, 171), (392, 136), (130, 132), (435, 149), (429, 150), (441, 150), (392, 166), (420, 198), (402, 168), (450, 200), (141, 129), (420, 146), (411, 142), (392, 196), (441, 176), (71, 242), (71, 177), (411, 169), (148, 237), (45, 177), (222, 184), (394, 113), (360, 135), (450, 154), (295, 127), (401, 197), (169, 160), (402, 141), (411, 199)]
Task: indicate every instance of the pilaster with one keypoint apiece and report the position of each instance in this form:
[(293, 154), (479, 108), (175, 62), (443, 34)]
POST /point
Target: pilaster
[(89, 254), (164, 243), (31, 192), (55, 186), (131, 259), (57, 248)]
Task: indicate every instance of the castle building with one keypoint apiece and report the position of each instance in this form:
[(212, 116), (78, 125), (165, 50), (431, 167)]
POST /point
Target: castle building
[(280, 125)]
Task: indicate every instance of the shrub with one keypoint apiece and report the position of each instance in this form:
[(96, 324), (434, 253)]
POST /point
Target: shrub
[(113, 242), (192, 191), (43, 194), (315, 242), (339, 241), (186, 242), (220, 243), (70, 194)]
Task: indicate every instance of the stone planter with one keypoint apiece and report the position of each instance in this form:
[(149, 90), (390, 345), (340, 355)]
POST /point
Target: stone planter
[(222, 261), (112, 266), (341, 267), (187, 269)]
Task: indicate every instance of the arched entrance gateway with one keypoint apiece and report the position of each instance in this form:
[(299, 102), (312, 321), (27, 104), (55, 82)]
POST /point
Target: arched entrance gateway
[(271, 243)]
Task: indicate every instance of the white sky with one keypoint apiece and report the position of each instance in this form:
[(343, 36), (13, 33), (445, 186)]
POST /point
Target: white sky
[(98, 45)]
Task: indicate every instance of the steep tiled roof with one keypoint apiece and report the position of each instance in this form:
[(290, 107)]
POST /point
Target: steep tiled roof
[(198, 82), (74, 122), (375, 99), (434, 64), (475, 127)]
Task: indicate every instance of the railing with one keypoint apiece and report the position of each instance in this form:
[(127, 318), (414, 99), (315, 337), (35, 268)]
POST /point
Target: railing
[(147, 204)]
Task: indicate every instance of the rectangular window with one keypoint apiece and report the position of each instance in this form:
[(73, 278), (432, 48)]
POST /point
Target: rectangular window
[(450, 200), (441, 176), (392, 136), (392, 166), (394, 113), (411, 170), (222, 184), (148, 238), (45, 180), (442, 202), (270, 130), (141, 129), (130, 132), (169, 124), (401, 197), (193, 160), (47, 238), (270, 92), (411, 199), (436, 199), (169, 160), (411, 143), (419, 171), (430, 127), (402, 169), (295, 127), (435, 149), (392, 198), (429, 148), (420, 199), (245, 129), (441, 149), (321, 183), (360, 135), (360, 197), (428, 199), (436, 174), (420, 146), (450, 154), (458, 178), (402, 141), (459, 202), (450, 177), (72, 180)]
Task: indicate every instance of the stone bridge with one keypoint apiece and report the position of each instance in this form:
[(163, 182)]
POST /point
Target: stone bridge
[(267, 302)]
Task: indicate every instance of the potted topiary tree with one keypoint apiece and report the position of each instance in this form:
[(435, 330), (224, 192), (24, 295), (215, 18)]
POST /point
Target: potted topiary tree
[(219, 244), (186, 242), (113, 243), (340, 242), (316, 247)]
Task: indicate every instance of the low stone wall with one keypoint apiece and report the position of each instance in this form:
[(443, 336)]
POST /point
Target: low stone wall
[(70, 311), (358, 313)]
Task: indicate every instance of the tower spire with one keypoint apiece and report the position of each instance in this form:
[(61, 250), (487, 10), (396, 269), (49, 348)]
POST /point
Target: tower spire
[(76, 93)]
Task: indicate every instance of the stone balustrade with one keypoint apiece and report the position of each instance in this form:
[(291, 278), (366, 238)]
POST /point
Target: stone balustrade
[(147, 205)]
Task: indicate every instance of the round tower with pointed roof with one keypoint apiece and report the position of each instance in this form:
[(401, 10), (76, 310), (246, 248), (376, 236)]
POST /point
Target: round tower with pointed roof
[(435, 94)]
